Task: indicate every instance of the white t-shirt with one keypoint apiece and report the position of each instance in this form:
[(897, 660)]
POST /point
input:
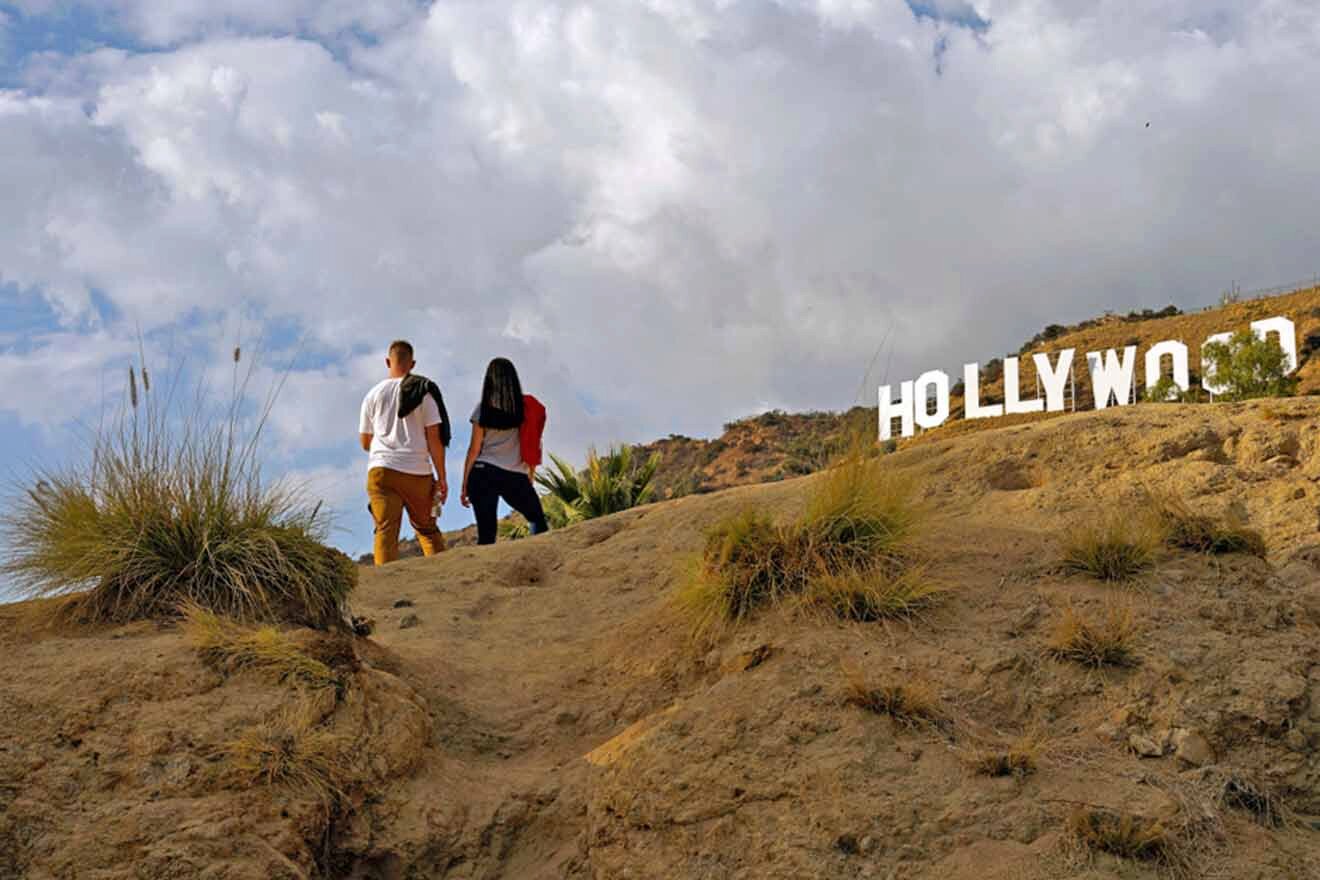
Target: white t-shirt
[(397, 444)]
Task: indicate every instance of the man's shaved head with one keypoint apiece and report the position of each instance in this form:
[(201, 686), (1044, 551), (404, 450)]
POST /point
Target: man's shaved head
[(401, 351)]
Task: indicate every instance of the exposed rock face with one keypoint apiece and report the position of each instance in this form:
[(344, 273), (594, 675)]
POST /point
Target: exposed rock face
[(552, 718)]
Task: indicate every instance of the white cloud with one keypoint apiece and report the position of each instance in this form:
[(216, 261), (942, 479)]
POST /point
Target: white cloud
[(167, 22), (64, 381), (665, 212)]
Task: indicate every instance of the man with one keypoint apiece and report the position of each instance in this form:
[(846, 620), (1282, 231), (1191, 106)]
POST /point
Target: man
[(404, 429)]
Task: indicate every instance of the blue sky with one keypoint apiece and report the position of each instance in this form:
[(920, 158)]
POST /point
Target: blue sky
[(59, 31), (668, 213)]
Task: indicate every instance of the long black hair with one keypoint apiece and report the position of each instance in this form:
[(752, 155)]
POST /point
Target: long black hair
[(501, 396)]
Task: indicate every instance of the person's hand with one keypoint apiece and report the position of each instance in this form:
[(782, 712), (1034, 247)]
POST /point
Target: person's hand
[(463, 497), (442, 490)]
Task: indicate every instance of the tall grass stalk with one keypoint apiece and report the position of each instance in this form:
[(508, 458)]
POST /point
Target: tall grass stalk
[(169, 507)]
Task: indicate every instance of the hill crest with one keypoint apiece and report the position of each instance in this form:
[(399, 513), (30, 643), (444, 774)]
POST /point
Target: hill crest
[(545, 714)]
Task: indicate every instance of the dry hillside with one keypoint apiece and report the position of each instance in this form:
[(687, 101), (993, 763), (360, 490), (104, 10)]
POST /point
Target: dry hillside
[(1118, 331), (776, 445), (537, 709), (759, 449)]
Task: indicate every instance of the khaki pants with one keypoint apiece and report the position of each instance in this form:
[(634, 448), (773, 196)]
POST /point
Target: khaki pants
[(390, 493)]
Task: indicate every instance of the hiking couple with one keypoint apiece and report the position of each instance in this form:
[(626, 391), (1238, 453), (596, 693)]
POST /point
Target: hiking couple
[(405, 430)]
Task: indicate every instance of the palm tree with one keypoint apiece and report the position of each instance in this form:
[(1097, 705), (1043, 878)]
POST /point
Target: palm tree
[(561, 480), (610, 483)]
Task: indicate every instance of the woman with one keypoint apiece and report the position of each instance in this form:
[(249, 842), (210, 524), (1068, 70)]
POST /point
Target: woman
[(495, 468)]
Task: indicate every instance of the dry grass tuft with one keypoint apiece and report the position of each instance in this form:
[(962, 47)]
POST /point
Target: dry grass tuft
[(1121, 834), (850, 553), (169, 506), (233, 645), (1019, 758), (911, 703), (1186, 530), (1116, 547), (1110, 641), (289, 750), (748, 562), (860, 512), (1274, 414), (873, 593), (1239, 793)]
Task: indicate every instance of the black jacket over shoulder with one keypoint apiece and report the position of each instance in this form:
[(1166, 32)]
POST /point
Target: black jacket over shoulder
[(413, 390)]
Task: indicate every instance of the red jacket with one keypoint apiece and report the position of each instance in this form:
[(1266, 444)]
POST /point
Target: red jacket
[(529, 433)]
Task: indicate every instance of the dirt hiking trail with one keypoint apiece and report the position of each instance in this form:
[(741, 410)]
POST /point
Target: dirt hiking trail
[(538, 709)]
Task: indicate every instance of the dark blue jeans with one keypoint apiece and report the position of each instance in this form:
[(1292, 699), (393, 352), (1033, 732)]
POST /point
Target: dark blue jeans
[(487, 484)]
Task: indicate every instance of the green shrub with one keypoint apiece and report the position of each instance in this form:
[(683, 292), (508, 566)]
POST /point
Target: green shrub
[(1167, 391), (807, 455), (167, 511), (1247, 366), (610, 483), (557, 515), (827, 443)]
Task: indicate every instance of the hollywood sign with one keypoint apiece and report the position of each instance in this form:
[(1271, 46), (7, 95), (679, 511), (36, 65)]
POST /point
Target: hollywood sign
[(924, 403)]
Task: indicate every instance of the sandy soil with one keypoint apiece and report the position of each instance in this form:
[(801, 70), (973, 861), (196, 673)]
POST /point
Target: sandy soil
[(548, 716)]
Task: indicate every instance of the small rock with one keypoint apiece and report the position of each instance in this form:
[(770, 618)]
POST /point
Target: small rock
[(1297, 741), (1144, 746), (868, 844), (404, 603), (1108, 732), (847, 844), (1187, 656), (410, 621), (746, 660), (1310, 554), (1192, 748), (1026, 621)]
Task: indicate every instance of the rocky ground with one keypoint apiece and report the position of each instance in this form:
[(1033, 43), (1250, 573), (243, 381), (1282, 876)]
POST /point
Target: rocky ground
[(538, 709)]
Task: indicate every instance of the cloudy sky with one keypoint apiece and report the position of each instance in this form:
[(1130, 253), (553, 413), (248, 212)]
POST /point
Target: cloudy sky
[(669, 213)]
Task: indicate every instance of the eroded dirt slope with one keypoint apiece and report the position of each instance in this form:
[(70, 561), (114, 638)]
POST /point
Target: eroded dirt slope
[(571, 728)]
